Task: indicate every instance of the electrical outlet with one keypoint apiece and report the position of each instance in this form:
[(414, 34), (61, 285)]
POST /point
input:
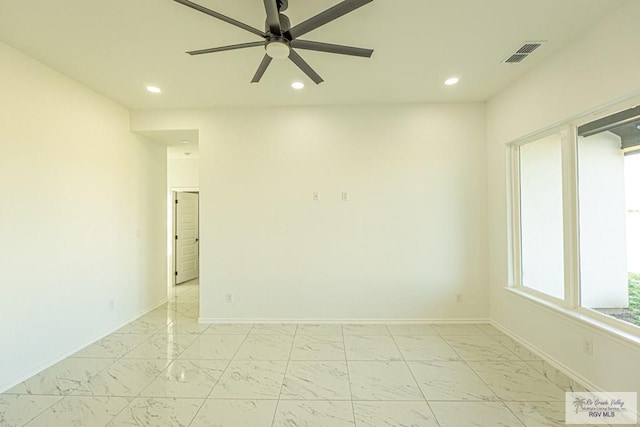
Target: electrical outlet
[(229, 297), (316, 196), (587, 346), (112, 305), (345, 196), (458, 298)]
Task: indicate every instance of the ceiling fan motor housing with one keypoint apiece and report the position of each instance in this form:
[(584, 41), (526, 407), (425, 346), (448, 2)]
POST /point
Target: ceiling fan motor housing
[(285, 23)]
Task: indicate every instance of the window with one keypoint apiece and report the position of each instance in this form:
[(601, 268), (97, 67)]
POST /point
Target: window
[(609, 222), (575, 199), (541, 242)]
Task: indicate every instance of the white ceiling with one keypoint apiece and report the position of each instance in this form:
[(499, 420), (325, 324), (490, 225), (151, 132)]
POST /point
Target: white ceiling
[(117, 47), (180, 143)]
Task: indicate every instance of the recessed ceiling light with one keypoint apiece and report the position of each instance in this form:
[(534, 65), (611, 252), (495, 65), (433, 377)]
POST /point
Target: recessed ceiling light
[(185, 141), (451, 81), (297, 85), (154, 89), (638, 127)]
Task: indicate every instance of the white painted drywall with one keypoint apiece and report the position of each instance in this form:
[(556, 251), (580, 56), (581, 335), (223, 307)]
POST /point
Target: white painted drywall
[(603, 231), (593, 70), (410, 237), (183, 173), (82, 218)]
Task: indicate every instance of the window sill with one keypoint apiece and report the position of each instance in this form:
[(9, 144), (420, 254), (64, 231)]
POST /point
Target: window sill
[(626, 334)]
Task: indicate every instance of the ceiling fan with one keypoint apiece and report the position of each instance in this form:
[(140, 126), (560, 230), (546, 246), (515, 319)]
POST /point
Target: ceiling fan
[(280, 39)]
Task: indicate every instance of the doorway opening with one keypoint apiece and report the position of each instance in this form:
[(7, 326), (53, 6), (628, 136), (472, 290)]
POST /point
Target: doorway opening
[(186, 237), (183, 251)]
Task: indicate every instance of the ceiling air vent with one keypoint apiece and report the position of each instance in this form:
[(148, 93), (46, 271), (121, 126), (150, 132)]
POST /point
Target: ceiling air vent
[(523, 52)]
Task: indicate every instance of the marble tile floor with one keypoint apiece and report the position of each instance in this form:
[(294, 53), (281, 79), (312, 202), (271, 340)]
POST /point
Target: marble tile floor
[(165, 369)]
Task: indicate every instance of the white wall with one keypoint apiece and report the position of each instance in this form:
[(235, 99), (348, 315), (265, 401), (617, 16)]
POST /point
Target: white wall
[(594, 70), (82, 218), (410, 237), (603, 231), (183, 173)]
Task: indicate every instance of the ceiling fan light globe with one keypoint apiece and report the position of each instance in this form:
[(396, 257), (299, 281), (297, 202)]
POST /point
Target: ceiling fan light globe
[(277, 50)]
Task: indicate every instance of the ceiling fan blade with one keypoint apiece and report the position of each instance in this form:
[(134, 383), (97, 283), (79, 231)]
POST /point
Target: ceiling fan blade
[(223, 48), (306, 68), (327, 16), (261, 69), (221, 17), (273, 17), (332, 48)]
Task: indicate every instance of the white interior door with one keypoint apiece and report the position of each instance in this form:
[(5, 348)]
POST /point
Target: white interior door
[(186, 238)]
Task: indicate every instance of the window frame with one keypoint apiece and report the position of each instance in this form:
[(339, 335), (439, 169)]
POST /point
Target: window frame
[(570, 305), (515, 208)]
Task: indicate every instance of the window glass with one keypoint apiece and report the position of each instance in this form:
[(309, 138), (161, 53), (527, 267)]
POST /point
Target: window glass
[(609, 224), (541, 239)]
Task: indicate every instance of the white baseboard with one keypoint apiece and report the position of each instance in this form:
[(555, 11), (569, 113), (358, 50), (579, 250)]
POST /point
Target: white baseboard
[(63, 355), (218, 320), (549, 359)]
